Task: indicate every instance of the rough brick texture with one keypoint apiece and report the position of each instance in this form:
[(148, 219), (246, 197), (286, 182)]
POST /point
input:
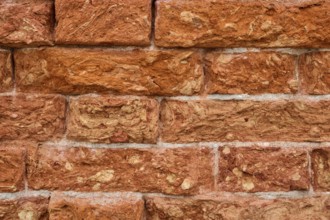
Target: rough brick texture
[(34, 208), (232, 23), (237, 208), (62, 207), (321, 169), (125, 22), (33, 117), (252, 73), (26, 22), (255, 169), (113, 120), (76, 71), (171, 171), (193, 121), (314, 69), (6, 83)]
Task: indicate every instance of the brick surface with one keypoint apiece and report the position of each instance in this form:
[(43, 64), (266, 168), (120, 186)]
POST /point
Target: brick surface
[(27, 208), (33, 117), (97, 207), (26, 22), (170, 171), (255, 169), (251, 72), (124, 22), (6, 83), (210, 120), (321, 169), (76, 71), (113, 120), (253, 23), (237, 208), (314, 70)]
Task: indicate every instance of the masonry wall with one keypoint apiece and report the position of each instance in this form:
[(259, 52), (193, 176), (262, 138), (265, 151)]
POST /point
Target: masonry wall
[(167, 109)]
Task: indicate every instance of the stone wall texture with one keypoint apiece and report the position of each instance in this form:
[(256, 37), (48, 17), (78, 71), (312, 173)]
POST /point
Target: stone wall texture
[(164, 109)]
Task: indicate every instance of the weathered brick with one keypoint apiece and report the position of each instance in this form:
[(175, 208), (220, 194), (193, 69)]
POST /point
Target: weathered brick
[(34, 208), (171, 171), (211, 120), (128, 207), (77, 71), (227, 207), (6, 82), (106, 119), (314, 70), (256, 169), (26, 22), (251, 72), (321, 169), (125, 22), (12, 167), (253, 23), (33, 117)]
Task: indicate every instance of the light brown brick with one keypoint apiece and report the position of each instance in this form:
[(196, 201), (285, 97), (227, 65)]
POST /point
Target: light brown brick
[(314, 70), (321, 169), (251, 72), (107, 119), (125, 22), (211, 120), (34, 117), (255, 169), (96, 207), (232, 23), (6, 83), (171, 171), (26, 22), (223, 206), (137, 72)]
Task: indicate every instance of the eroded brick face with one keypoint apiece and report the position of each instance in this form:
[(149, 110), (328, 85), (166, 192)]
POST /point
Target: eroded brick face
[(6, 83), (103, 22), (321, 169)]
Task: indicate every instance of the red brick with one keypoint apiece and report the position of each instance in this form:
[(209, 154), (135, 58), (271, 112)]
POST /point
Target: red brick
[(6, 83), (171, 171), (232, 23), (314, 70), (321, 169), (34, 208), (137, 72), (211, 120), (107, 119), (33, 117), (127, 207), (125, 22), (223, 206), (251, 72), (255, 169), (26, 22)]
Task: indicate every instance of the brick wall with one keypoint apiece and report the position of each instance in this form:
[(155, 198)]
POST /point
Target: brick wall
[(167, 109)]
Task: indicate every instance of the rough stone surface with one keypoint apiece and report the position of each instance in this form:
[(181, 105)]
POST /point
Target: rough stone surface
[(24, 208), (314, 70), (12, 167), (62, 207), (119, 22), (33, 117), (211, 120), (251, 72), (107, 119), (6, 82), (255, 169), (252, 23), (170, 171), (237, 208), (138, 72), (321, 169), (26, 22)]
